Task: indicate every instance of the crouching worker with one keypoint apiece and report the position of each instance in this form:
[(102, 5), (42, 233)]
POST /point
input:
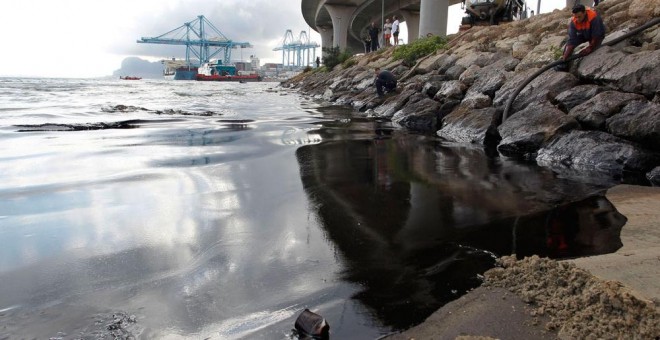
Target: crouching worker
[(385, 81), (585, 26)]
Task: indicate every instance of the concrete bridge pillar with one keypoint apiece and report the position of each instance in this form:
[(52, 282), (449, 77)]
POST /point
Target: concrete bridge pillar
[(433, 17), (341, 17), (326, 37), (412, 22)]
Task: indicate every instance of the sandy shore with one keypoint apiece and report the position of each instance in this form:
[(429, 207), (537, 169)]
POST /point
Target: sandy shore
[(608, 296)]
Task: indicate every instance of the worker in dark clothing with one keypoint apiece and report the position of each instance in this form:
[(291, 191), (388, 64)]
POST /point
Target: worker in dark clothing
[(385, 82), (367, 43), (373, 34), (585, 26)]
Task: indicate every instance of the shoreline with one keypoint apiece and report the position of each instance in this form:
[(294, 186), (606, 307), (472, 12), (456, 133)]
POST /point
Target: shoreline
[(633, 271)]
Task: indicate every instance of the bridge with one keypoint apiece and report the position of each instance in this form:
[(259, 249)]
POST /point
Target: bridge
[(343, 22)]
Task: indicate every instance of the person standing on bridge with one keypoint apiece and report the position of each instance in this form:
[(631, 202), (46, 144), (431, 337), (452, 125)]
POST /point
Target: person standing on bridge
[(373, 34), (395, 30), (387, 32), (585, 26)]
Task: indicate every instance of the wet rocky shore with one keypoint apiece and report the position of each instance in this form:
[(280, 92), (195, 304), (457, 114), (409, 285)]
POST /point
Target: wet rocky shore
[(599, 119)]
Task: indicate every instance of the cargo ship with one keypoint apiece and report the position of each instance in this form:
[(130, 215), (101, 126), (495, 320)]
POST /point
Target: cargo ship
[(178, 70), (216, 71)]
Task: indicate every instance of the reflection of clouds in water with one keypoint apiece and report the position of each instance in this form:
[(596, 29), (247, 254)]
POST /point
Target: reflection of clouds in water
[(242, 326), (107, 218), (193, 283), (99, 200), (122, 219)]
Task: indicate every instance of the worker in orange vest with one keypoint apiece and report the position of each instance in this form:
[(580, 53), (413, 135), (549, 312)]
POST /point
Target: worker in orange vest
[(585, 26)]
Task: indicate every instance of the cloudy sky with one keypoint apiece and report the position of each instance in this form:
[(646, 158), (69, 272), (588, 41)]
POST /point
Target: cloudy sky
[(90, 38)]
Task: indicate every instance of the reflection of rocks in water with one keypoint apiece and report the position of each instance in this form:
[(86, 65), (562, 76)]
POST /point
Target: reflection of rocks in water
[(129, 108), (584, 228), (21, 324), (185, 113), (123, 108), (236, 124), (119, 327), (417, 222), (128, 124)]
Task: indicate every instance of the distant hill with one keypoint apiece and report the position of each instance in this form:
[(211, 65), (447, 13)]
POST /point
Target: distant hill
[(134, 66)]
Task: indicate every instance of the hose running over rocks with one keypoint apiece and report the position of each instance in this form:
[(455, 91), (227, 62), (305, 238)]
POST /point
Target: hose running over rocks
[(520, 87)]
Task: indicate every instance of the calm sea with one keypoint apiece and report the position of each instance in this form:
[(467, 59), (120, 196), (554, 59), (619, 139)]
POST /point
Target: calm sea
[(178, 209)]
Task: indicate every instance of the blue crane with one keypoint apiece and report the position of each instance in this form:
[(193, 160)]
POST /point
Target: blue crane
[(297, 47), (195, 36)]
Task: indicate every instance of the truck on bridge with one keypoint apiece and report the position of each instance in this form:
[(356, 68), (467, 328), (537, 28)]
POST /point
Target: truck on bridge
[(492, 12)]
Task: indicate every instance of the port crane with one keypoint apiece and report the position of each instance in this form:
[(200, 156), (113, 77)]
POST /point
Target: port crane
[(203, 41), (296, 47)]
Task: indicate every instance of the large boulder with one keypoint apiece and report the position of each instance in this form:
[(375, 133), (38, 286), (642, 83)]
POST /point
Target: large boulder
[(340, 84), (542, 54), (465, 125), (419, 114), (528, 130), (595, 151), (644, 8), (593, 113), (450, 90), (444, 64), (392, 104), (433, 84), (476, 100), (638, 121), (627, 72), (571, 98), (470, 75), (364, 101), (544, 87), (454, 72), (499, 69), (480, 59), (488, 83), (432, 63)]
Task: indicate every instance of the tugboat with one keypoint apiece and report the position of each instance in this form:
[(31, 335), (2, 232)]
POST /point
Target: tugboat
[(216, 71)]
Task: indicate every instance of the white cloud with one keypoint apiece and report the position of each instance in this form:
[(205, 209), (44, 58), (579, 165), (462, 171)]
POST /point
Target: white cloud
[(82, 38)]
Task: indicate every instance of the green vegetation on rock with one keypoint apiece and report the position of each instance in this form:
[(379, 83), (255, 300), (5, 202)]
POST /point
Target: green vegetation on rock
[(333, 56), (419, 48)]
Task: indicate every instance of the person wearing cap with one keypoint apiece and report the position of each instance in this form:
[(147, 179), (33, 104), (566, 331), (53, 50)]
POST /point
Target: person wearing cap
[(585, 26)]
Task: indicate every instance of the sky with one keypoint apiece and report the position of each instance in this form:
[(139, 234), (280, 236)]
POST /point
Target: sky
[(90, 38)]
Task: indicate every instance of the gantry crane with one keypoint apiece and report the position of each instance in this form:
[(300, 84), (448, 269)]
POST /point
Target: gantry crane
[(297, 48), (195, 36)]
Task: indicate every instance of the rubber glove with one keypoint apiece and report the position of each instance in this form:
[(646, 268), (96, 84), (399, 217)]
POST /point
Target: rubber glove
[(568, 50), (586, 51)]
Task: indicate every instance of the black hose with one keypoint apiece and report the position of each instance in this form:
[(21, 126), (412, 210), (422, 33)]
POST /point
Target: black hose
[(639, 29), (520, 87)]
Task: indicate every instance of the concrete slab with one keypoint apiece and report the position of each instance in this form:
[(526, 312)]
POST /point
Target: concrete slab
[(484, 312)]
